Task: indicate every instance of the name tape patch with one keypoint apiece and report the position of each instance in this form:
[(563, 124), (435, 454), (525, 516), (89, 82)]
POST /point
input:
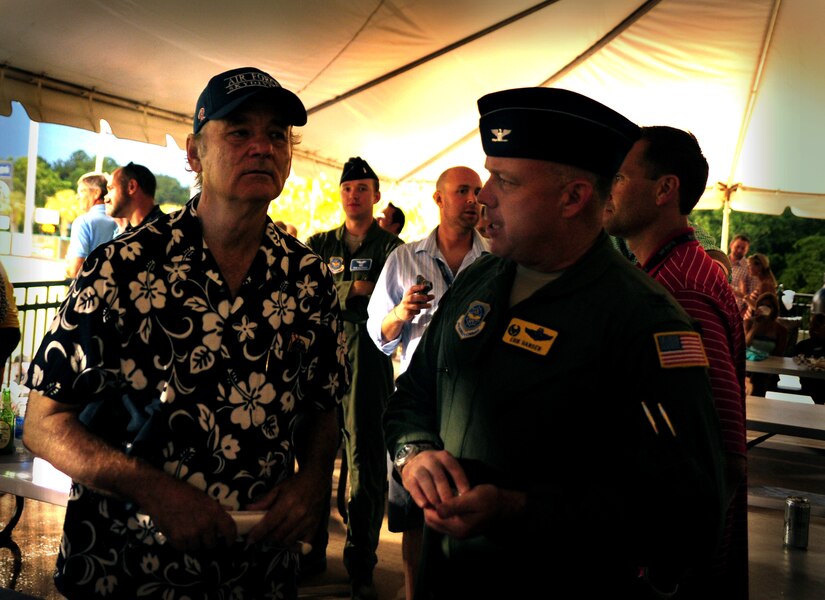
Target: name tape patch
[(360, 264), (529, 336)]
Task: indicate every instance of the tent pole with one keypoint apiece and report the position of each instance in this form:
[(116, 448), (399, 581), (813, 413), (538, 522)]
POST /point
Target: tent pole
[(726, 220)]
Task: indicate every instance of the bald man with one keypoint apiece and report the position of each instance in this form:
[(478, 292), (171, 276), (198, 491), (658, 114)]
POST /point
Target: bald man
[(401, 308)]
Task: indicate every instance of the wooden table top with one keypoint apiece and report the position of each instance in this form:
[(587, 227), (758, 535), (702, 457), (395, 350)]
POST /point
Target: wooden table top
[(786, 418), (23, 475), (782, 365)]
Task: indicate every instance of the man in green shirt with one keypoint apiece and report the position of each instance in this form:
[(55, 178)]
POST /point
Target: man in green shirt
[(355, 253), (556, 422)]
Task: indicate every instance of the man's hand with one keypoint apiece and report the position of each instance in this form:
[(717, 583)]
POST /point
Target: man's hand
[(361, 287), (188, 518), (467, 514), (434, 476), (293, 508), (439, 486), (413, 302)]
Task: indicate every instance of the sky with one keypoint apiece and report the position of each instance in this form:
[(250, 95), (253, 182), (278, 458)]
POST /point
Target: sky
[(58, 142)]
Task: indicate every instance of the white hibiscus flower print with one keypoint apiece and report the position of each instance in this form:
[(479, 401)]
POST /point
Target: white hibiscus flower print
[(87, 301), (147, 292), (279, 308), (246, 329), (130, 251), (78, 359), (178, 270), (132, 374), (250, 398), (307, 287), (213, 326), (105, 585)]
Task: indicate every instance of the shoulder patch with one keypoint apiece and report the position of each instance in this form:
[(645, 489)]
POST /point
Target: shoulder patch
[(471, 322), (336, 264), (680, 349)]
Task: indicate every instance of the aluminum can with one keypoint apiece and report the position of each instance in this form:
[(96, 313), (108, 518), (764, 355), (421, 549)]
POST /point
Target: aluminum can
[(797, 522)]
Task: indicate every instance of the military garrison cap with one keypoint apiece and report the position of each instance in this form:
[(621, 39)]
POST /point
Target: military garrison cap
[(357, 168), (555, 125)]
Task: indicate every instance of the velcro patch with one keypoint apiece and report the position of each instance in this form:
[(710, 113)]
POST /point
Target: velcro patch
[(360, 264), (336, 264), (533, 338), (680, 349)]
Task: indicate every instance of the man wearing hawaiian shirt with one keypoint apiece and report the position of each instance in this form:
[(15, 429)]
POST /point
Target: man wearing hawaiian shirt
[(173, 377)]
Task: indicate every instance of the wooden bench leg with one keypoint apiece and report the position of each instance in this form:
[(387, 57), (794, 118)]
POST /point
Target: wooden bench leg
[(5, 535), (759, 440)]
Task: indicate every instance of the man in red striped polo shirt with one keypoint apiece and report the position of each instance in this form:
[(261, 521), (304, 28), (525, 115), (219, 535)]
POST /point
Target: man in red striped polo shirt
[(654, 191)]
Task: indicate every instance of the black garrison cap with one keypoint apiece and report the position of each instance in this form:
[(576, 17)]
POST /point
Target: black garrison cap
[(555, 125), (357, 168)]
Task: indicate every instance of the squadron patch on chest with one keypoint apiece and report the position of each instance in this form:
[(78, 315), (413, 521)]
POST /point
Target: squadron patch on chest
[(471, 322), (533, 338), (360, 264), (336, 264)]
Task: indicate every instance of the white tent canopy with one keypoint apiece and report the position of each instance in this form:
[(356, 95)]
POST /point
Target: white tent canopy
[(396, 81)]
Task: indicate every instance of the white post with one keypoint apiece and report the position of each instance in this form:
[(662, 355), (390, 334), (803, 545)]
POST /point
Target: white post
[(22, 246), (726, 210)]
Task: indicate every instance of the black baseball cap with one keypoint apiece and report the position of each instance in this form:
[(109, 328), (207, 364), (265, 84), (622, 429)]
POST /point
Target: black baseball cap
[(227, 91)]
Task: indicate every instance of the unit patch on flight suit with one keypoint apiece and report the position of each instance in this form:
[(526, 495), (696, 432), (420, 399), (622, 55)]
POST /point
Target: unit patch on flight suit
[(360, 264), (471, 322), (680, 349), (531, 337), (336, 264)]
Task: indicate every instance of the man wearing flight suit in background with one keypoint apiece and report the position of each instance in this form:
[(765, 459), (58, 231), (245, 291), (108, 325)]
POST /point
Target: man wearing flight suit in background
[(355, 253)]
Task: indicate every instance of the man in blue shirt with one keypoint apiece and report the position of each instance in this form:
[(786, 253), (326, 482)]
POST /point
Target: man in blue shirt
[(93, 227), (401, 307)]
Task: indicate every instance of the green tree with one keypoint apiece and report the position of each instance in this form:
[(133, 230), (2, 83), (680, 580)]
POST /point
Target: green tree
[(771, 235), (170, 191), (78, 164), (805, 270), (47, 184)]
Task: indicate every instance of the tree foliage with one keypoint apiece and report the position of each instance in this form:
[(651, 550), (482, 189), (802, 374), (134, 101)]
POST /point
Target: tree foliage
[(805, 270), (170, 191), (779, 238), (56, 184), (794, 245)]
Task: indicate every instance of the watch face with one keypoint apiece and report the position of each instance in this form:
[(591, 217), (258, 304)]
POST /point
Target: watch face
[(404, 452)]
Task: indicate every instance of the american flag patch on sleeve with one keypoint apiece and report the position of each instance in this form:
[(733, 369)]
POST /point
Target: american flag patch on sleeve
[(680, 349)]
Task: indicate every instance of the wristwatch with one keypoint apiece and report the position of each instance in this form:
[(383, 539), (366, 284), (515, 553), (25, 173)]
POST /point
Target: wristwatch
[(407, 451)]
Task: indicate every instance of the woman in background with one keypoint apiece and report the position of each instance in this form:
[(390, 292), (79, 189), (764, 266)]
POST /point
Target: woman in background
[(764, 336), (762, 281)]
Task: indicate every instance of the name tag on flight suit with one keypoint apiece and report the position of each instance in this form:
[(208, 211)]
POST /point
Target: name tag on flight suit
[(533, 338)]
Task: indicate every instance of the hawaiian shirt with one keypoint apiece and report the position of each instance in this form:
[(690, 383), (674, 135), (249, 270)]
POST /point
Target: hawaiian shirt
[(169, 367)]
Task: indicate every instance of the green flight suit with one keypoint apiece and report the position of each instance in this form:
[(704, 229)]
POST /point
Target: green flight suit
[(364, 404), (547, 397)]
